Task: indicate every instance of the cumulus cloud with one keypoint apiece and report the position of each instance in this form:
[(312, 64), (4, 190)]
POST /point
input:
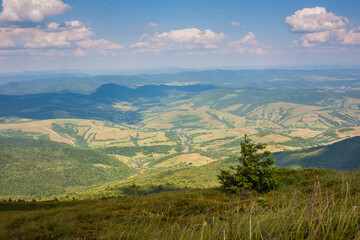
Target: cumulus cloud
[(190, 35), (311, 39), (31, 10), (42, 38), (70, 38), (65, 39), (189, 38), (248, 39), (248, 44), (352, 37), (325, 29), (234, 24), (314, 20), (53, 25), (99, 44), (331, 38)]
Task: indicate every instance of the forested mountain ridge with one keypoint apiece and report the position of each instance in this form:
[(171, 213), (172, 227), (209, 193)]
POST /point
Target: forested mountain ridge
[(343, 155), (121, 104)]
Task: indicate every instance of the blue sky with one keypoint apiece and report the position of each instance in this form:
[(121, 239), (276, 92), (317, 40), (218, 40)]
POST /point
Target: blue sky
[(116, 34)]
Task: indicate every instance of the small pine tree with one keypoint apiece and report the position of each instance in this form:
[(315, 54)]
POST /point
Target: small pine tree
[(253, 171)]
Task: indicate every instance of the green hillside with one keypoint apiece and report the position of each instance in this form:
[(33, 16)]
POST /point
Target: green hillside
[(164, 179), (343, 155), (309, 204), (43, 169)]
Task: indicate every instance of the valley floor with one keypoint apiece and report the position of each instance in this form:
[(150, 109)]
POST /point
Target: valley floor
[(309, 204)]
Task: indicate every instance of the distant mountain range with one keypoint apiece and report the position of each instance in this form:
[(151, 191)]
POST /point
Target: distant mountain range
[(309, 108), (265, 79)]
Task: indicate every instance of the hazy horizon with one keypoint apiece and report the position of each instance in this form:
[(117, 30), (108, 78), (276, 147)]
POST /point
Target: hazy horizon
[(173, 69), (118, 35)]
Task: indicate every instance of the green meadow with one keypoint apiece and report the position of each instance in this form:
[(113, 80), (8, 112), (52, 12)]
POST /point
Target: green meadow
[(309, 204)]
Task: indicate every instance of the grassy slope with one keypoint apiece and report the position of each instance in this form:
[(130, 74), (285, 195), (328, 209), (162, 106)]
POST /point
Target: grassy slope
[(39, 168), (310, 204), (163, 179), (58, 163), (343, 155)]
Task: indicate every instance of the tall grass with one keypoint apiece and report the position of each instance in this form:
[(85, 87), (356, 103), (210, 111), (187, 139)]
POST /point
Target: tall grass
[(309, 205)]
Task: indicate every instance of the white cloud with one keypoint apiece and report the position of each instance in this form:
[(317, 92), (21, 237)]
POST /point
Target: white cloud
[(99, 44), (73, 24), (352, 37), (5, 42), (311, 39), (234, 24), (336, 37), (190, 35), (66, 39), (314, 20), (79, 53), (260, 51), (326, 30), (248, 39), (189, 38), (42, 38), (153, 24), (211, 46), (140, 45), (248, 44), (53, 25), (31, 10)]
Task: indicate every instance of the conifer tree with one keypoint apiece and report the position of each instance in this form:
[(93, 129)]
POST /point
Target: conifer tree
[(254, 170)]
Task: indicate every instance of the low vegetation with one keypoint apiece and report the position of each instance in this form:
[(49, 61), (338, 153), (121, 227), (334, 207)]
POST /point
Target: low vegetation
[(309, 204)]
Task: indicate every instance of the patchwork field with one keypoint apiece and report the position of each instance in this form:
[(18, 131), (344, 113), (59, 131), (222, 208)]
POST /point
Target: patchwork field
[(138, 147), (180, 134)]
